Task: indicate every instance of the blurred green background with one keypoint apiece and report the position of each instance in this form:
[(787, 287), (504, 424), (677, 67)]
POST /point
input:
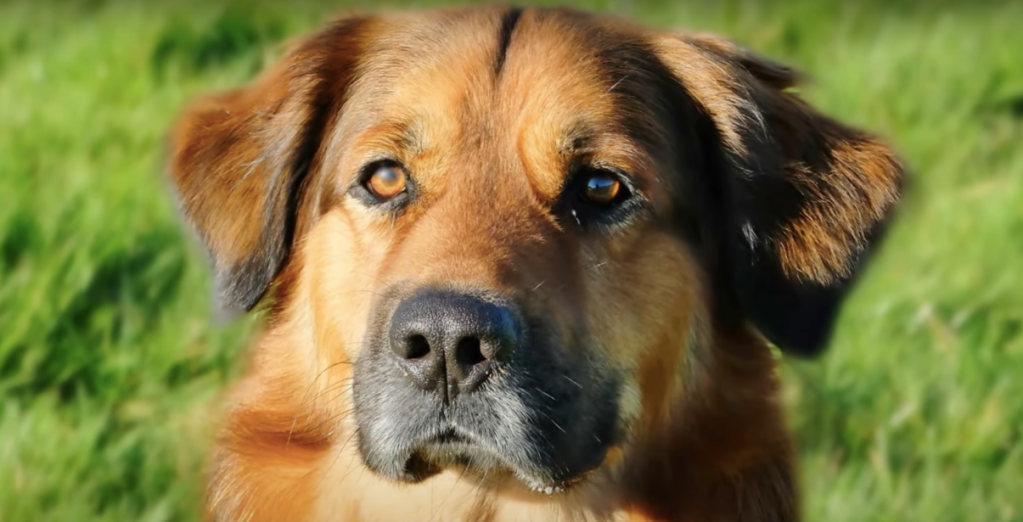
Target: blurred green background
[(111, 366)]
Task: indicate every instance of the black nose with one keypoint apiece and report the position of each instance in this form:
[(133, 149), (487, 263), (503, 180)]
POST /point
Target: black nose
[(451, 341)]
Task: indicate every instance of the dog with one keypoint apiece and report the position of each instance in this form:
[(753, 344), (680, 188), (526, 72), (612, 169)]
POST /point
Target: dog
[(521, 264)]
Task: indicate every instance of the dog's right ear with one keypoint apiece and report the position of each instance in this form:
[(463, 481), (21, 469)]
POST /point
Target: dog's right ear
[(239, 159)]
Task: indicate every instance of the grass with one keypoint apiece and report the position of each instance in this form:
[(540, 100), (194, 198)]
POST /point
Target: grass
[(111, 366)]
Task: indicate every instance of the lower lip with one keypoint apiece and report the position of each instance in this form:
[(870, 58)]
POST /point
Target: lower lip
[(522, 486), (450, 437), (418, 469)]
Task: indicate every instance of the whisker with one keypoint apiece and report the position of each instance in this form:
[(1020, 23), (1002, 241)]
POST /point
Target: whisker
[(305, 397), (554, 423), (339, 452), (569, 379), (291, 431), (619, 82), (452, 490), (341, 385)]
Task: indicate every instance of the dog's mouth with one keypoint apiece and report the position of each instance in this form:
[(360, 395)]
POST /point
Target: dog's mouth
[(460, 450), (432, 455), (543, 440)]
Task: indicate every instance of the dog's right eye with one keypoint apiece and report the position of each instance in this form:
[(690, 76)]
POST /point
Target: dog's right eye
[(384, 183), (387, 180)]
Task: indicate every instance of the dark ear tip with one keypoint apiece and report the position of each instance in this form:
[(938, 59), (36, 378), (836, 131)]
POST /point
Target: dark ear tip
[(802, 331), (809, 343), (225, 312), (798, 318), (239, 290)]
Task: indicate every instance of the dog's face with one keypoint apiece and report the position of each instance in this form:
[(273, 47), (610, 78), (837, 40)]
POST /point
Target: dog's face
[(523, 227), (511, 223)]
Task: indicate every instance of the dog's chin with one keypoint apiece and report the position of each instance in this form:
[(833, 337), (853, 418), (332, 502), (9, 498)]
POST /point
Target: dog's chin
[(476, 460)]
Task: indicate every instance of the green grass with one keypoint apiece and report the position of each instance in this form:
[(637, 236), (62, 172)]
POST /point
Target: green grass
[(111, 367)]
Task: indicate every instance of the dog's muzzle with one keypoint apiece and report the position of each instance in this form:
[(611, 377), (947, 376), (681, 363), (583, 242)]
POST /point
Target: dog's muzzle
[(456, 379)]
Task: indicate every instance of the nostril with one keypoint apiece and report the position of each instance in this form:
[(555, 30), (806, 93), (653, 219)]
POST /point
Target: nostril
[(417, 347), (468, 351)]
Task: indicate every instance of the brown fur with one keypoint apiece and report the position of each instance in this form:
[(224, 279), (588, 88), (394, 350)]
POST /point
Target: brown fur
[(489, 118)]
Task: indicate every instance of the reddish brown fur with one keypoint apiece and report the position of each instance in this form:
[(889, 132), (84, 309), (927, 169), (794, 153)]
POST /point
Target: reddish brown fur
[(706, 440), (850, 178)]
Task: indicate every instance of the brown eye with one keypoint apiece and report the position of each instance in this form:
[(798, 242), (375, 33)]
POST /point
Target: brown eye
[(387, 181), (602, 189)]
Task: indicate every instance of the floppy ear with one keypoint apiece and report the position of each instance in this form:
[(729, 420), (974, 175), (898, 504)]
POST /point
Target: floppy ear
[(802, 196), (239, 160)]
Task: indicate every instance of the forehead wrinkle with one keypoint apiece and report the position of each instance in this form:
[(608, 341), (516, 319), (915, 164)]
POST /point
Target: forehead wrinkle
[(551, 154), (411, 93), (581, 143), (548, 135), (423, 60), (525, 120), (585, 102), (364, 129), (401, 137), (577, 139)]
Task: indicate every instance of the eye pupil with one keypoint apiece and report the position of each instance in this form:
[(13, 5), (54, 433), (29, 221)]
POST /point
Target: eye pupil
[(387, 181), (602, 189)]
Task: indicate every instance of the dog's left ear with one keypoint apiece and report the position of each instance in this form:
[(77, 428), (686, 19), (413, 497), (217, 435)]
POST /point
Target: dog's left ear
[(801, 199)]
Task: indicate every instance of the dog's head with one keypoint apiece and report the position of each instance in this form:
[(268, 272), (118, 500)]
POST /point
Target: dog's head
[(519, 224)]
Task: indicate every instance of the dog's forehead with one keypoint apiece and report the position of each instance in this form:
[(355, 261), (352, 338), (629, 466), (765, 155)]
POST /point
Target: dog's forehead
[(550, 87)]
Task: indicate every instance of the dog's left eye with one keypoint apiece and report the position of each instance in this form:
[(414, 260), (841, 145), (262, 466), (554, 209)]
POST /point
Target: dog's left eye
[(601, 189), (598, 197)]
